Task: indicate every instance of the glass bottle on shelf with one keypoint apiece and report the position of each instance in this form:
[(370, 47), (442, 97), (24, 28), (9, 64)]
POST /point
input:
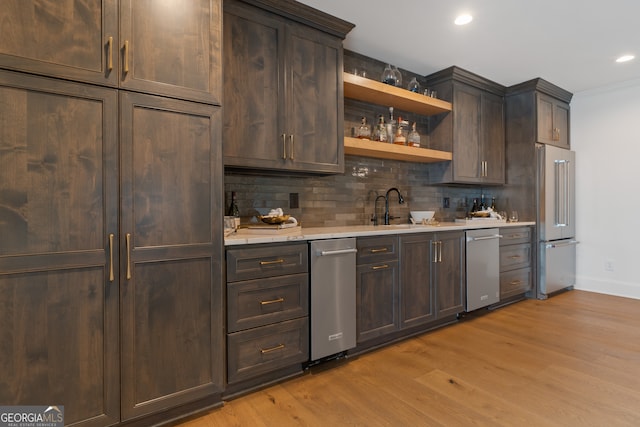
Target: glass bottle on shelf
[(380, 131), (388, 76), (233, 209), (399, 137), (364, 131), (391, 126), (475, 208), (414, 86), (413, 139), (493, 204), (397, 75)]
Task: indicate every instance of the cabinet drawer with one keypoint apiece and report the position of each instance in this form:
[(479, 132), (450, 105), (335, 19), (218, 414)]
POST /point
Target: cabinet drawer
[(515, 282), (259, 302), (266, 261), (516, 256), (376, 249), (260, 350), (515, 235)]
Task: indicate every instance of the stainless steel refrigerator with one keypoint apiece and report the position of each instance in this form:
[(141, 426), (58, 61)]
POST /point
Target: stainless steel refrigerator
[(555, 219)]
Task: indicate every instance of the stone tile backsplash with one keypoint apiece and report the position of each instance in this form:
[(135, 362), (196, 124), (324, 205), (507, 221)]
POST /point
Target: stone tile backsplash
[(348, 199)]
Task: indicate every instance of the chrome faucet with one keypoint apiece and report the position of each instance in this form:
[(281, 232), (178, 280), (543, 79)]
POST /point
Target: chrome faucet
[(387, 217)]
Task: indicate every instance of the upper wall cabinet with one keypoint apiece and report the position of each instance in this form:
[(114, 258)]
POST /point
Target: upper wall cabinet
[(282, 87), (538, 111), (169, 48), (473, 131)]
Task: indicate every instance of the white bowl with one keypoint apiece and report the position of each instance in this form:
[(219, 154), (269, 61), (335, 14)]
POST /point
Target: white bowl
[(420, 216)]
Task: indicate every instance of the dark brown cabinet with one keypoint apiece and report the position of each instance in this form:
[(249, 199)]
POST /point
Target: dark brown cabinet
[(110, 261), (170, 253), (516, 272), (377, 287), (432, 278), (58, 208), (553, 121), (283, 92), (267, 312), (166, 48), (474, 131)]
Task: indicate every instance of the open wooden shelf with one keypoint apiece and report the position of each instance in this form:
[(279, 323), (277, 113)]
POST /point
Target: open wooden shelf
[(384, 150), (374, 92)]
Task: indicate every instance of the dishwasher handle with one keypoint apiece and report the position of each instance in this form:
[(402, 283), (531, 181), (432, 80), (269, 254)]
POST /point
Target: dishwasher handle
[(338, 252), (475, 239)]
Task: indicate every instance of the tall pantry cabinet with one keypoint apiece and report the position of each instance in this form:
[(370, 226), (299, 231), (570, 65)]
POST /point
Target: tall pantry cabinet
[(110, 208)]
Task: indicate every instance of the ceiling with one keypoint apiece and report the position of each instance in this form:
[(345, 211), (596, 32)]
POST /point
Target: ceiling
[(571, 43)]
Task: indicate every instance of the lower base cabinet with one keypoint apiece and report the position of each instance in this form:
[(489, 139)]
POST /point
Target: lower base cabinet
[(516, 273), (267, 310), (404, 282)]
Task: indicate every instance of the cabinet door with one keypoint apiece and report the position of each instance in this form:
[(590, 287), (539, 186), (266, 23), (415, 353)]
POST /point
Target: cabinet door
[(553, 121), (449, 275), (62, 38), (254, 128), (172, 48), (376, 300), (493, 134), (171, 253), (416, 293), (561, 124), (58, 207), (315, 100), (467, 159)]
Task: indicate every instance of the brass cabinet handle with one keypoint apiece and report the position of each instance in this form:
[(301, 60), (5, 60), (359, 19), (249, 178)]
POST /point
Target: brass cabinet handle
[(439, 250), (269, 350), (128, 240), (379, 267), (434, 245), (515, 282), (125, 54), (284, 146), (515, 257), (110, 53), (375, 251), (111, 277), (273, 301), (278, 261), (291, 139)]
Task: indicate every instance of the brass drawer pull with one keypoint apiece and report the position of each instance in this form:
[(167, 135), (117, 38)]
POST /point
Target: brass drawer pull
[(379, 267), (278, 261), (128, 242), (272, 349), (375, 251), (515, 282), (111, 276), (273, 301), (125, 54), (515, 257), (110, 53)]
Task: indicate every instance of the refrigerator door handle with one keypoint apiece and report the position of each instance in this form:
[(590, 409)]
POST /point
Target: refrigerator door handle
[(561, 245), (562, 193)]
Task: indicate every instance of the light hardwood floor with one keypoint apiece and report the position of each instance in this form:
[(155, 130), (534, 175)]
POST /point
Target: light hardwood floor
[(572, 360)]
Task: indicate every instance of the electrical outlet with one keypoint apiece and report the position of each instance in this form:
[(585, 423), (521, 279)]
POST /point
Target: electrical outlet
[(608, 265), (294, 201), (445, 202)]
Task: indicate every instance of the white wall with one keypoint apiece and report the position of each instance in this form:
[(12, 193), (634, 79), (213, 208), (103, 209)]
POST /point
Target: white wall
[(605, 134)]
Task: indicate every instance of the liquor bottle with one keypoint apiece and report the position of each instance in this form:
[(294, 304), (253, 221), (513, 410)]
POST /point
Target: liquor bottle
[(493, 204), (233, 207), (380, 132), (364, 131), (483, 204), (400, 138), (413, 139), (475, 207)]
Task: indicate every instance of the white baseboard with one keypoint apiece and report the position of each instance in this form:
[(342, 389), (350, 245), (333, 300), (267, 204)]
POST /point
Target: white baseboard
[(609, 287)]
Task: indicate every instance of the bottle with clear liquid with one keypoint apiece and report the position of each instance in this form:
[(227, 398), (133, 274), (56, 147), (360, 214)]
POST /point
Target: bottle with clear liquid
[(380, 131), (413, 139), (391, 126), (364, 131)]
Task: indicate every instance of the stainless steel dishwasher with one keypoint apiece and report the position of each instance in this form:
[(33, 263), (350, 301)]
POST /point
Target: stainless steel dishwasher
[(333, 296), (483, 268)]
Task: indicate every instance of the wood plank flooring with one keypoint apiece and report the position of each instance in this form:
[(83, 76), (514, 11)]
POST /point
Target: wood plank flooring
[(572, 360)]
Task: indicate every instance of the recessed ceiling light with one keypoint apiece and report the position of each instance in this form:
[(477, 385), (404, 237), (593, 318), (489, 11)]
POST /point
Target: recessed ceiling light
[(463, 19), (625, 58)]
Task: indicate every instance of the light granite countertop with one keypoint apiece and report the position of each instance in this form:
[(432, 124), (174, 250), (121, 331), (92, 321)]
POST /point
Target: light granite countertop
[(247, 237)]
